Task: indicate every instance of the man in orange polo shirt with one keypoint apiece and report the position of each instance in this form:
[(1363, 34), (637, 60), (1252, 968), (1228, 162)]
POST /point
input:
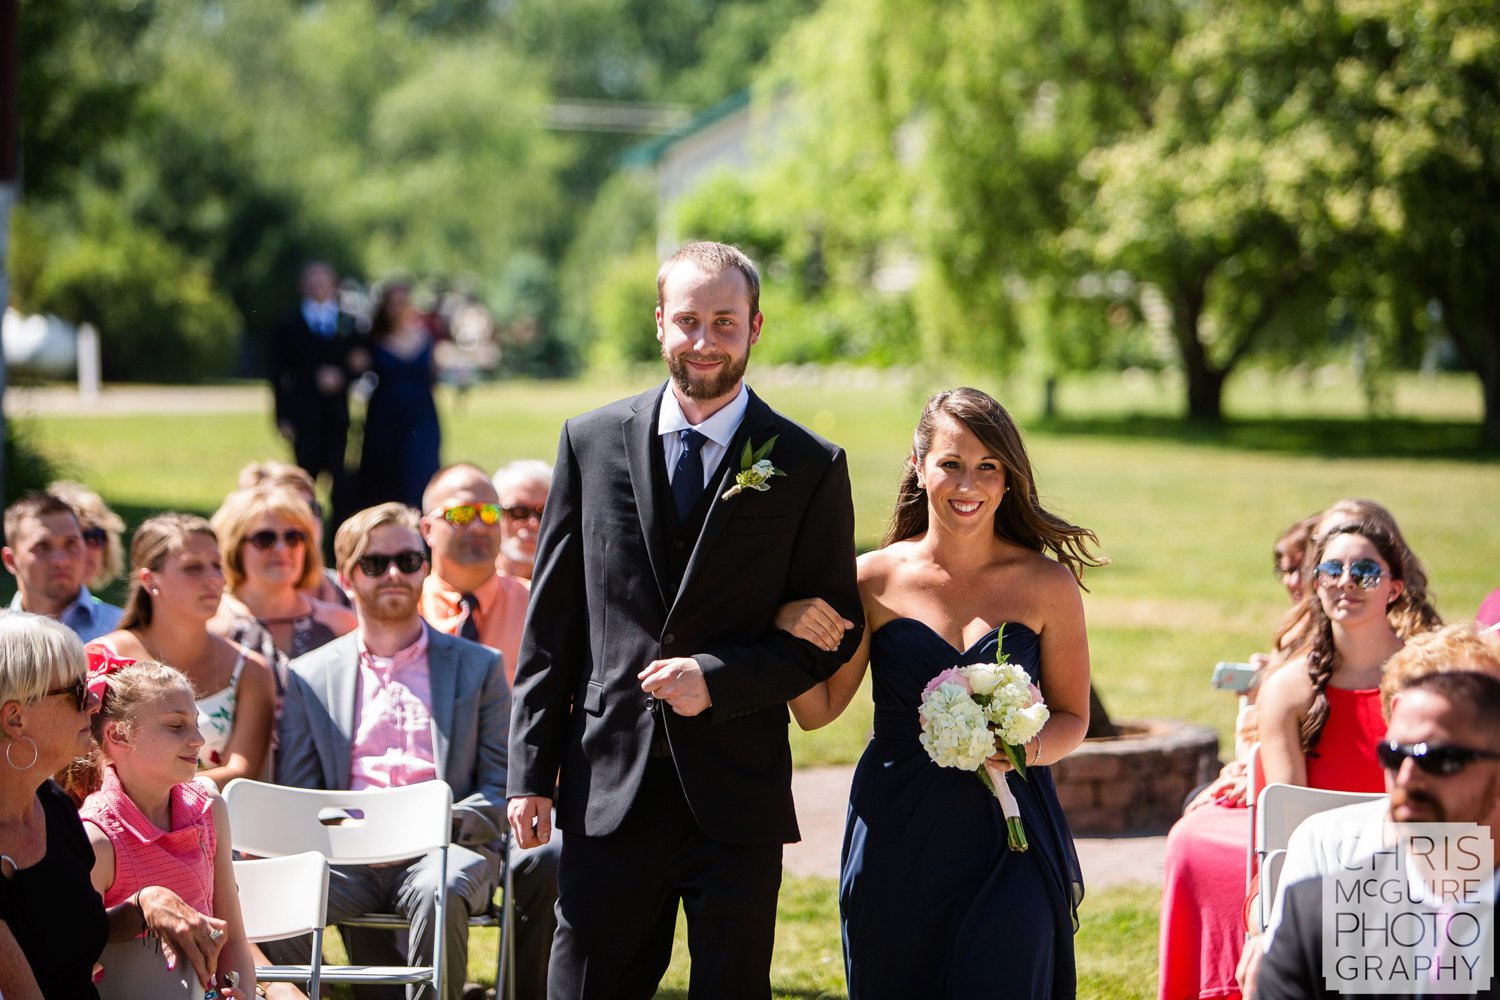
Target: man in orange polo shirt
[(463, 595)]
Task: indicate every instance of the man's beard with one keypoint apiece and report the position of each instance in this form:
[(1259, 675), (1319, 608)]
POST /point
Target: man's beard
[(715, 387), (391, 610)]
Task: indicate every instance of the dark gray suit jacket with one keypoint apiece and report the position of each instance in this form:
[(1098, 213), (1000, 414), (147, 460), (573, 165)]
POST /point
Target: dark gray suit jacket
[(603, 606), (471, 725)]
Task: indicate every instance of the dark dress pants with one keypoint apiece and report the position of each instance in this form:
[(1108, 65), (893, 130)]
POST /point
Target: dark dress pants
[(618, 897)]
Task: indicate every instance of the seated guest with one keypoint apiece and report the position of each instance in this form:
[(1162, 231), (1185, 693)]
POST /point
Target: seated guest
[(177, 581), (522, 487), (1329, 839), (463, 595), (147, 819), (102, 528), (1319, 719), (44, 551), (393, 703), (1441, 760), (271, 565), (53, 925), (296, 479)]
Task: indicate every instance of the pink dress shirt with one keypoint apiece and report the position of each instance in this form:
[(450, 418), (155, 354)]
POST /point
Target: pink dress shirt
[(393, 719)]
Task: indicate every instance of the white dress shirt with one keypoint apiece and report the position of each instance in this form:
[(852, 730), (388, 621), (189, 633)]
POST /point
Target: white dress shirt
[(719, 429)]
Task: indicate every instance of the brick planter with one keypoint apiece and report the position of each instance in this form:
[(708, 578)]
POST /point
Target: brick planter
[(1136, 781)]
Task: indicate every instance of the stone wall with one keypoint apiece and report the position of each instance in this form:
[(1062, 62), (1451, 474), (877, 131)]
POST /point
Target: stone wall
[(1135, 782)]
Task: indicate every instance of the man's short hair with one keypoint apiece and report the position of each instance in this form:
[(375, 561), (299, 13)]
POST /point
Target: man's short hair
[(33, 503), (712, 258), (353, 536), (429, 494), (1454, 647), (1477, 692)]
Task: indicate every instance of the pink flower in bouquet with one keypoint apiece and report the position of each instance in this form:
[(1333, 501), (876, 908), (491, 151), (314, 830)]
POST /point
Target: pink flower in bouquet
[(953, 675)]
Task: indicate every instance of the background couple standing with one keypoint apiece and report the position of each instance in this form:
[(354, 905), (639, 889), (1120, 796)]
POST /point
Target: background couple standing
[(653, 681)]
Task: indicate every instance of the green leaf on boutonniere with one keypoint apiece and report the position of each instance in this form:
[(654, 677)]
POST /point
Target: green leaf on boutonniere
[(755, 470)]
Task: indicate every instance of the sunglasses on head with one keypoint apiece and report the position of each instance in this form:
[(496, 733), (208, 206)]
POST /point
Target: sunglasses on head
[(79, 689), (409, 561), (488, 513), (1437, 759), (294, 538), (522, 512), (95, 538), (1366, 573)]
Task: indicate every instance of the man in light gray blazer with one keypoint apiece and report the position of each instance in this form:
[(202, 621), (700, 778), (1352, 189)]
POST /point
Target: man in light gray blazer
[(393, 703)]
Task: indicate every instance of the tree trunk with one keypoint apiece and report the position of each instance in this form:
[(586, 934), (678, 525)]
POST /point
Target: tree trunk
[(1205, 384)]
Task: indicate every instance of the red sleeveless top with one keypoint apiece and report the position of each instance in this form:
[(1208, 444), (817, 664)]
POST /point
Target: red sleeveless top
[(1344, 759)]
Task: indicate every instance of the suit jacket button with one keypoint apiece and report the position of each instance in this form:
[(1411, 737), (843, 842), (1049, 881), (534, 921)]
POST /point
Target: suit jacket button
[(668, 639), (650, 703), (677, 544)]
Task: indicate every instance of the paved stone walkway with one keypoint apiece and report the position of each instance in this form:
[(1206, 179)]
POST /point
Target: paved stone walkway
[(822, 796)]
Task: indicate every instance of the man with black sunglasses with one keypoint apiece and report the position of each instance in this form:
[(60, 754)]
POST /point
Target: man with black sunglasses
[(393, 703), (1441, 757), (44, 550)]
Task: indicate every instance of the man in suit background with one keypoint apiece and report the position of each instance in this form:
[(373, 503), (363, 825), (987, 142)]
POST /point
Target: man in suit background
[(464, 525), (393, 703), (314, 352), (653, 685), (1442, 765)]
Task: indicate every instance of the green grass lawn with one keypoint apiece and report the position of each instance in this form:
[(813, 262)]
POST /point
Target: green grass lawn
[(1187, 516)]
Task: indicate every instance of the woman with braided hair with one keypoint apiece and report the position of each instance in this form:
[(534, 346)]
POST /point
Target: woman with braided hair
[(1320, 714)]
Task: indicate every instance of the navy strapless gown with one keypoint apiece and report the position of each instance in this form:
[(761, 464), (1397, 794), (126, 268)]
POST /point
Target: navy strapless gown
[(934, 902)]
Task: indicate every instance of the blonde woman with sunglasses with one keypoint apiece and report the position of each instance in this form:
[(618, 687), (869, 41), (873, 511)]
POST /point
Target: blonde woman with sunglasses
[(177, 581), (271, 562)]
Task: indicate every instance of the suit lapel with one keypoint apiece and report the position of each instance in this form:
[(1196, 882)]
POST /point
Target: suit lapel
[(757, 426), (642, 450), (343, 687), (442, 673)]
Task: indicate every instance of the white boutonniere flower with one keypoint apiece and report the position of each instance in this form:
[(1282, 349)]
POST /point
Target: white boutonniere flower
[(755, 472)]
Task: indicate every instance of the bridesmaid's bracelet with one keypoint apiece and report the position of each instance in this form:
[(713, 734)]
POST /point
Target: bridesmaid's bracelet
[(1038, 750)]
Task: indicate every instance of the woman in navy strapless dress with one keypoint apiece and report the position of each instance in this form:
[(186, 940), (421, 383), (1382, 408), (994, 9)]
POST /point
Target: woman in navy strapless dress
[(934, 903)]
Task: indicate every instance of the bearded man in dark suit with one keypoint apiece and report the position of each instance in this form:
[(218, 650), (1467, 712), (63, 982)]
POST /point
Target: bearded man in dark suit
[(652, 684)]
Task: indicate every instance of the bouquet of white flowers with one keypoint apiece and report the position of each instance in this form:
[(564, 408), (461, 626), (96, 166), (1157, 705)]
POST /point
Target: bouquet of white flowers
[(968, 710)]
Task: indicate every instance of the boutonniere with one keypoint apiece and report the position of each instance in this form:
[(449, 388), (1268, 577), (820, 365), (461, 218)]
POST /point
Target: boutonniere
[(755, 470)]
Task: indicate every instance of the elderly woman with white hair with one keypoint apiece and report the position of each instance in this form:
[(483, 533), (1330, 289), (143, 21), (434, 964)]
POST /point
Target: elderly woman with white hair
[(53, 924)]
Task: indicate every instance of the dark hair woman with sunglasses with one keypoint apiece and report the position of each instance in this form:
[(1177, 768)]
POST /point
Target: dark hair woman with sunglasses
[(177, 581), (53, 925), (271, 562), (1320, 714)]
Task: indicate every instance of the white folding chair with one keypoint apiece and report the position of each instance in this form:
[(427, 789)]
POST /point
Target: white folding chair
[(135, 969), (1270, 877), (281, 898), (367, 827), (1279, 810)]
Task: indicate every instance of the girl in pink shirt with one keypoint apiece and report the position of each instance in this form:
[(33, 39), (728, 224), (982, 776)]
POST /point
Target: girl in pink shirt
[(149, 822)]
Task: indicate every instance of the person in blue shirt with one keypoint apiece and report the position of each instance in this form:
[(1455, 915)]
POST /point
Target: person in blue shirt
[(44, 552)]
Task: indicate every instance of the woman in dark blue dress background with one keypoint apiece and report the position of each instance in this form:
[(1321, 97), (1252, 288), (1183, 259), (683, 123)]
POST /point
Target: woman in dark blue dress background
[(934, 903), (402, 438)]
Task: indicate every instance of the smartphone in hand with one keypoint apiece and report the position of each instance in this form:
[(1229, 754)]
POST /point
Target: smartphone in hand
[(1236, 677)]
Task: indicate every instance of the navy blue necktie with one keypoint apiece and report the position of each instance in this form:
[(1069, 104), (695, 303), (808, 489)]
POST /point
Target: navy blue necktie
[(687, 480)]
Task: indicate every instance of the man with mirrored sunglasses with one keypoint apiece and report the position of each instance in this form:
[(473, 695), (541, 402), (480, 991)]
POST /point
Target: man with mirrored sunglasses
[(393, 703), (1441, 756), (464, 595)]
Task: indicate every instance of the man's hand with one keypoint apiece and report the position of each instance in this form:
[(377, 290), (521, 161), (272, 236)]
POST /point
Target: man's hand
[(530, 819), (678, 682), (330, 379)]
